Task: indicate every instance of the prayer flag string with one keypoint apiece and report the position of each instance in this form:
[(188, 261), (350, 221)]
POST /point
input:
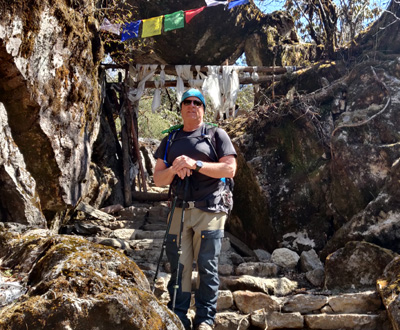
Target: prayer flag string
[(153, 26)]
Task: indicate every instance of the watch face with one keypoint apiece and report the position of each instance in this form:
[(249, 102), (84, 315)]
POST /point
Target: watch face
[(199, 165)]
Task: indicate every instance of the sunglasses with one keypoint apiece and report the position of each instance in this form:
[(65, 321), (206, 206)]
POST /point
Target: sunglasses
[(194, 102)]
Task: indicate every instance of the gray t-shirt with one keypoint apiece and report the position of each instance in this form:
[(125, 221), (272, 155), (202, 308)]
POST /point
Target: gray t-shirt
[(196, 146)]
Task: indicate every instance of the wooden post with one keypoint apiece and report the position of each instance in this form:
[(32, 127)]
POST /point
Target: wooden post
[(135, 145), (111, 122), (126, 164)]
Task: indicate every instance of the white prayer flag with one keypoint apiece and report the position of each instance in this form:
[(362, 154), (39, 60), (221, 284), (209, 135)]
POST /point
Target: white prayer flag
[(113, 28), (211, 3)]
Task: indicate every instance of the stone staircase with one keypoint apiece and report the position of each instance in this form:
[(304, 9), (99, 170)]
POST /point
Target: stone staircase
[(255, 293)]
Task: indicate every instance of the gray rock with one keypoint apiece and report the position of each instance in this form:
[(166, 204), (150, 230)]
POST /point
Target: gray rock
[(356, 266), (309, 261), (225, 269), (125, 234), (360, 302), (277, 286), (305, 303), (225, 300), (316, 277), (231, 320), (285, 258), (248, 302), (262, 255), (236, 259), (276, 320), (343, 321), (260, 269)]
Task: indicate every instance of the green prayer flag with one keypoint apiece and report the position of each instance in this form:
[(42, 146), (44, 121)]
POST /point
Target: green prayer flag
[(174, 21)]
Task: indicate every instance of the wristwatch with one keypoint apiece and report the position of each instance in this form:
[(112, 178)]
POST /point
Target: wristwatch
[(199, 165)]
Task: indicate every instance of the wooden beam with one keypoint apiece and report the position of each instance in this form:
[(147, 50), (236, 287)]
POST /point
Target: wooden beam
[(148, 196), (242, 81), (170, 69)]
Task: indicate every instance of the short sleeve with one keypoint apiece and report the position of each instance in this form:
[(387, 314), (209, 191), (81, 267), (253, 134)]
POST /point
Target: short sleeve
[(224, 144), (161, 149)]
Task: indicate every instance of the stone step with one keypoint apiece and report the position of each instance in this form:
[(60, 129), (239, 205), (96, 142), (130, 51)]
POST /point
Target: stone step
[(277, 320)]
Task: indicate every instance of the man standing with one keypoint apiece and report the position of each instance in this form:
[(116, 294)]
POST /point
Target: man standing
[(198, 168)]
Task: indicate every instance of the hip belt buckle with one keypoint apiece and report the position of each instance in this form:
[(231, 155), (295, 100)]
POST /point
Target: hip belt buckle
[(190, 205)]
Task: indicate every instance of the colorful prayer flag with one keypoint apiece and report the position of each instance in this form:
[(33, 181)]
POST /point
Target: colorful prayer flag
[(130, 30), (189, 14), (107, 26), (152, 26), (237, 3), (174, 21), (211, 3)]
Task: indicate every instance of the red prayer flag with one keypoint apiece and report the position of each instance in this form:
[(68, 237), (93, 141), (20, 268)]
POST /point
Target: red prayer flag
[(189, 14)]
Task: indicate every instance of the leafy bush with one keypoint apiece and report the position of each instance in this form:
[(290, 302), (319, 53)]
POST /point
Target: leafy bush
[(152, 124)]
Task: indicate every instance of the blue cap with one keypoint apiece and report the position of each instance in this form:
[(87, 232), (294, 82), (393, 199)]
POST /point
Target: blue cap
[(196, 93)]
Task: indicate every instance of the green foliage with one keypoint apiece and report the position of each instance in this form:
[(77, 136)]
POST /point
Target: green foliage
[(6, 272), (245, 99), (354, 16), (152, 124)]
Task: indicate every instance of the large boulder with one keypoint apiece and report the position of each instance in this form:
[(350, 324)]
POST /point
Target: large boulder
[(48, 59), (360, 265), (378, 223), (310, 171), (18, 199), (212, 37), (74, 284)]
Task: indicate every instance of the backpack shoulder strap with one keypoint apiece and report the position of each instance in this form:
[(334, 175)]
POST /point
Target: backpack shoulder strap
[(171, 135), (172, 128), (209, 134)]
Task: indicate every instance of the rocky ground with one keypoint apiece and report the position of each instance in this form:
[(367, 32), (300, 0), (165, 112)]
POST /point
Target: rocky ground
[(259, 290)]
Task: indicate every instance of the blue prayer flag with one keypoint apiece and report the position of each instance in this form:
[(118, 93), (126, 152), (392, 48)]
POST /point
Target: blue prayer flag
[(237, 3), (130, 30)]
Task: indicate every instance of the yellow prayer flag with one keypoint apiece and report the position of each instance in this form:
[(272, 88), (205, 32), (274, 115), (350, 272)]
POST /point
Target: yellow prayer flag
[(152, 26)]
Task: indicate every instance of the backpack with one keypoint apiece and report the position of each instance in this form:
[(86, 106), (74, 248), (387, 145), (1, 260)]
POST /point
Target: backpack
[(208, 133)]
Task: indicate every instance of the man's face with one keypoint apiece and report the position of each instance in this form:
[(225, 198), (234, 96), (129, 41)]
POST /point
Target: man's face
[(192, 109)]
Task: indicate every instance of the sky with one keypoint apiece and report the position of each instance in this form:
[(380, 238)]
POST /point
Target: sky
[(268, 6)]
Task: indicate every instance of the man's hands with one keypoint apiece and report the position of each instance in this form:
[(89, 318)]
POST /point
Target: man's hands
[(183, 166)]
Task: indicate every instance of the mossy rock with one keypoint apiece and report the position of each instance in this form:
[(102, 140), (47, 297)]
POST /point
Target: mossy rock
[(76, 284)]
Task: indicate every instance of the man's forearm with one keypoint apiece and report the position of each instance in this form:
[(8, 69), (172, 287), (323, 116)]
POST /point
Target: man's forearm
[(219, 170), (163, 177)]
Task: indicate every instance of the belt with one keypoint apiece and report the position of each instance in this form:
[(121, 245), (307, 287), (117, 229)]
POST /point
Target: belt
[(193, 204)]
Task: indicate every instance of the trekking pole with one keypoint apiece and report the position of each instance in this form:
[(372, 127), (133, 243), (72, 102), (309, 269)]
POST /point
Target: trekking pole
[(176, 286), (164, 244)]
